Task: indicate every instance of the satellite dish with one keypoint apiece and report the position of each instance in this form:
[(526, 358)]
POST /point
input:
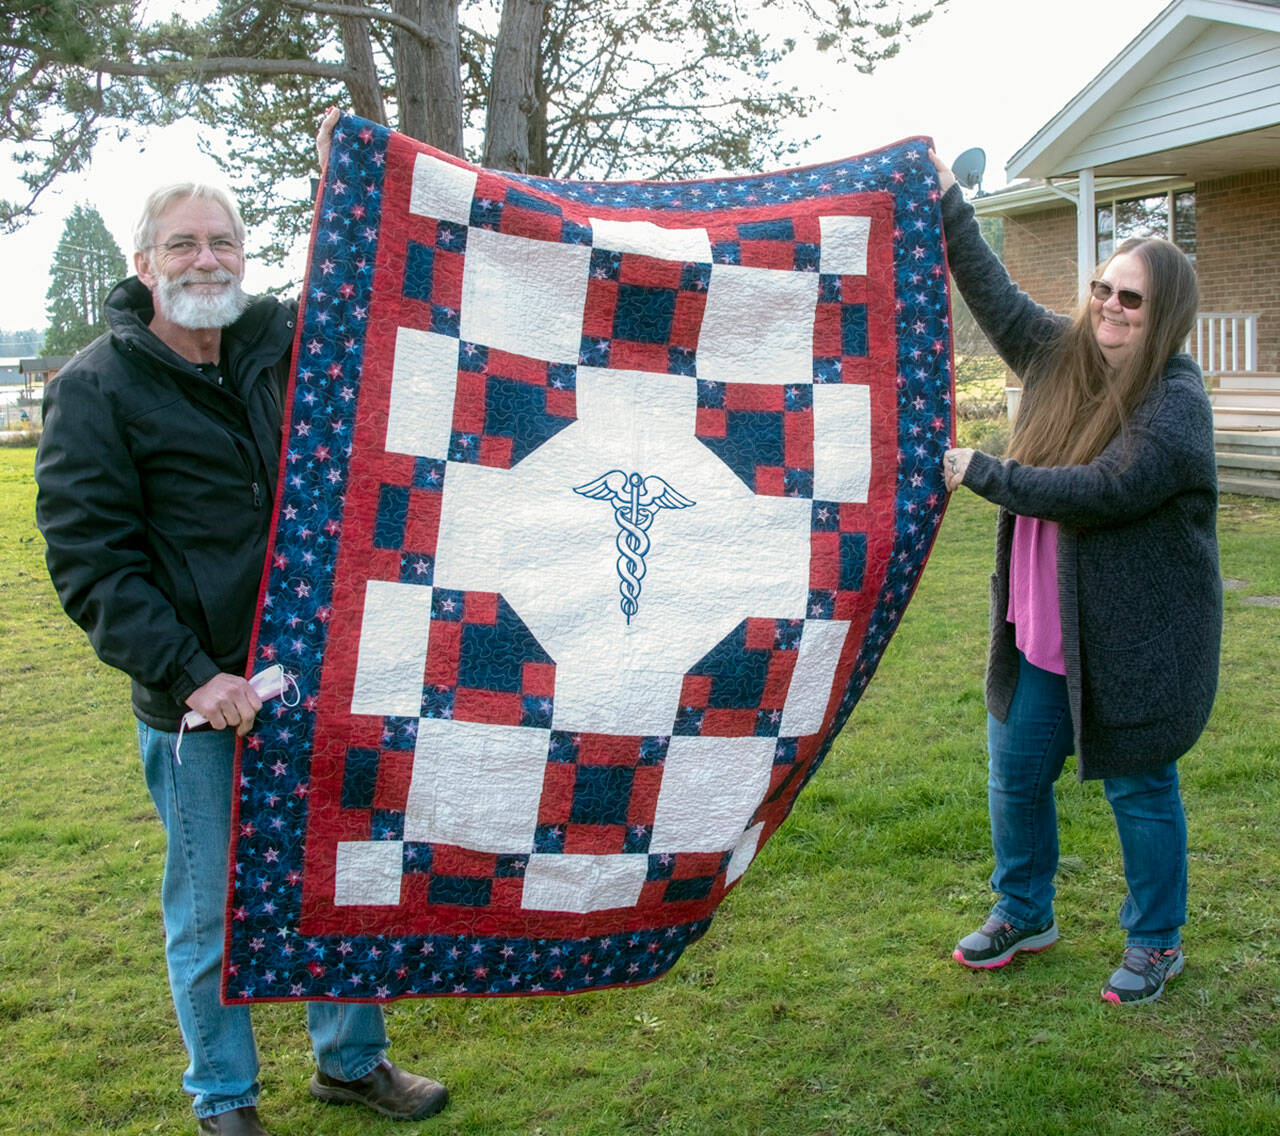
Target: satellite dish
[(969, 168)]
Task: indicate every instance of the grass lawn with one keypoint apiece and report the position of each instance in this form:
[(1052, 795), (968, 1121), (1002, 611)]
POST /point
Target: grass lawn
[(822, 1001)]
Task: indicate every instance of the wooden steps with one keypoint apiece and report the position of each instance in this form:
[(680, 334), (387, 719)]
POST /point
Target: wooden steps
[(1245, 401), (1248, 461)]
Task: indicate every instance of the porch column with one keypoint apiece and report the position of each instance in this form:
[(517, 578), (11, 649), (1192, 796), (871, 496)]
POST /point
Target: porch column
[(1086, 233)]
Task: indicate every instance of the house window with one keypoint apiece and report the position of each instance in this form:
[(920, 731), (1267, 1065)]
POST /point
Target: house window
[(1171, 215)]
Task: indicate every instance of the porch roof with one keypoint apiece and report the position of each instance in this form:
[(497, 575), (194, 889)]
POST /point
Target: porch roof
[(1195, 95)]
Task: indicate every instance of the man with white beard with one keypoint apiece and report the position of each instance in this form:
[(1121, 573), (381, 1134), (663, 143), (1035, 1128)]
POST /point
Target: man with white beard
[(157, 469)]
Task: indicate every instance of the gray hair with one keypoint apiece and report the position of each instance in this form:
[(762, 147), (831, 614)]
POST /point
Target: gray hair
[(160, 200)]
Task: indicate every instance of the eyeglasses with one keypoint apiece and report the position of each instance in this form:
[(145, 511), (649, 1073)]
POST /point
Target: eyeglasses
[(185, 248), (1129, 299)]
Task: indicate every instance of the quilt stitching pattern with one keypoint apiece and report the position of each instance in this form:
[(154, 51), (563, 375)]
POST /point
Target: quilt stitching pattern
[(600, 502)]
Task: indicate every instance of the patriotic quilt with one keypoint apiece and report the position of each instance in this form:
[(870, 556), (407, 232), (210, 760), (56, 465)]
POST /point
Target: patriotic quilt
[(599, 504)]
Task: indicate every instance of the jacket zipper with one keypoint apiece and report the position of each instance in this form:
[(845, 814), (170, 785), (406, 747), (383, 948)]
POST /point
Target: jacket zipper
[(245, 448)]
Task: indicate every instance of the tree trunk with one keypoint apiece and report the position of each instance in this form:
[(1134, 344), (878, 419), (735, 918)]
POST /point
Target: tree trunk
[(513, 99), (428, 79), (362, 72)]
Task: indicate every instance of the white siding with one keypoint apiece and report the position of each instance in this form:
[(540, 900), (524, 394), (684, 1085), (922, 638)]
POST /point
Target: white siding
[(1225, 81)]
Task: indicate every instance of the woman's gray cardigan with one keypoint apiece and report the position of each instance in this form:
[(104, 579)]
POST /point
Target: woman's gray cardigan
[(1138, 579)]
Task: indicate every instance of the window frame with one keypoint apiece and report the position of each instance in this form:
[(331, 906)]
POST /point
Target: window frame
[(1111, 203)]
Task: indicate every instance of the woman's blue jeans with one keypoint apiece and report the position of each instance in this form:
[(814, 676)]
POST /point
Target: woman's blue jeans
[(1026, 755), (193, 799)]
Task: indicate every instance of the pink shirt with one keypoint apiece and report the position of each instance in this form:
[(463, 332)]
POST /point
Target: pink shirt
[(1033, 593)]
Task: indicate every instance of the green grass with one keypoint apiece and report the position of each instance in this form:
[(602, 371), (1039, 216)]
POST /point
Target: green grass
[(822, 1001)]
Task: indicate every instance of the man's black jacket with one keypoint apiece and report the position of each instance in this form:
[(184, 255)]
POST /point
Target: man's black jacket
[(156, 485)]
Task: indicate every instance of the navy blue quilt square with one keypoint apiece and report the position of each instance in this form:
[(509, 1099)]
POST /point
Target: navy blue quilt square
[(393, 512), (643, 314), (419, 261), (699, 887), (464, 891), (359, 777), (386, 824), (601, 794), (853, 329)]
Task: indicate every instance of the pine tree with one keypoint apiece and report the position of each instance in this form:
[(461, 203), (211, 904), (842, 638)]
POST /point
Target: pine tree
[(21, 344), (88, 262)]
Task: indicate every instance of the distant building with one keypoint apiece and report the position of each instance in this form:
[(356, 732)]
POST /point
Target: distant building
[(1178, 136), (42, 369)]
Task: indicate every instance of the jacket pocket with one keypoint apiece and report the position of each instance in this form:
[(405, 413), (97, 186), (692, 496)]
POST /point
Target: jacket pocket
[(226, 588), (1133, 685)]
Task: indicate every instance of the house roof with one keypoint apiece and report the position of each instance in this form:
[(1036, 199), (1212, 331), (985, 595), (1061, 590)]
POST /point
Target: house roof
[(43, 364), (1195, 95)]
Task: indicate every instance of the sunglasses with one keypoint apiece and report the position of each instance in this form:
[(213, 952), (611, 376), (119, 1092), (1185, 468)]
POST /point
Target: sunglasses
[(1129, 299)]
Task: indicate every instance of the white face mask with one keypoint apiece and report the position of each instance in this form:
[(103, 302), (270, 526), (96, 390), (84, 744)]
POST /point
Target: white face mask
[(200, 309), (269, 684)]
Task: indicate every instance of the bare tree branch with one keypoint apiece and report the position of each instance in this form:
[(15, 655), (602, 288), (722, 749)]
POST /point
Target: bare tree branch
[(600, 88), (362, 12), (217, 67), (362, 77)]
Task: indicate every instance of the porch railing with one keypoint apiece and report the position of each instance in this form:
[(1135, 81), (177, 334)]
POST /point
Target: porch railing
[(1225, 342)]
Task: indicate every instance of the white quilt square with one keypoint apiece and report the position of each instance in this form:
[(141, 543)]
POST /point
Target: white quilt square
[(844, 245), (710, 788), (758, 326), (821, 642), (424, 380), (441, 189), (743, 853), (841, 442), (368, 872), (583, 883), (476, 785), (648, 239), (392, 656), (524, 296)]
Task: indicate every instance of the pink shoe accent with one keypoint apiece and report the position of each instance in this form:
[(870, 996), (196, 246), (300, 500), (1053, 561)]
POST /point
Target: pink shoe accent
[(1111, 996), (958, 955)]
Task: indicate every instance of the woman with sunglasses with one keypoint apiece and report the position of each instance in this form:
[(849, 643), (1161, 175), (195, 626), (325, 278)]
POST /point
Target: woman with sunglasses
[(1106, 598)]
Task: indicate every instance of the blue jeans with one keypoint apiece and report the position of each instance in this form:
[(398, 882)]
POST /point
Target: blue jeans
[(194, 802), (1026, 755)]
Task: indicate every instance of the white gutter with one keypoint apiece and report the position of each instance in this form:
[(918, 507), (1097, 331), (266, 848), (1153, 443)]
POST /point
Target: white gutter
[(1038, 194)]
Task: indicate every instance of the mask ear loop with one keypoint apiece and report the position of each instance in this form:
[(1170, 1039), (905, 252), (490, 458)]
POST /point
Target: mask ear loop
[(290, 684)]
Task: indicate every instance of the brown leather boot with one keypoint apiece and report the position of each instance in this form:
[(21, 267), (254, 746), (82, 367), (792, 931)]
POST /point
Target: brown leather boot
[(387, 1090), (236, 1122)]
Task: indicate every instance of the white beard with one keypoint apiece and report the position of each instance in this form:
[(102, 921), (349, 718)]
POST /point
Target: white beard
[(196, 310)]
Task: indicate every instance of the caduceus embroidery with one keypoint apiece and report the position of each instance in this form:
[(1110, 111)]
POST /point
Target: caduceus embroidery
[(636, 501)]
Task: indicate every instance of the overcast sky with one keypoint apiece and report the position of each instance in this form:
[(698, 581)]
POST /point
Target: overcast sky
[(986, 73)]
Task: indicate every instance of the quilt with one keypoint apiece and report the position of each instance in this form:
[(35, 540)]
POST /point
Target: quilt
[(599, 503)]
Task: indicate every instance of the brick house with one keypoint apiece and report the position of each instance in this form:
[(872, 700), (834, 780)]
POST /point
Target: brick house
[(1178, 136)]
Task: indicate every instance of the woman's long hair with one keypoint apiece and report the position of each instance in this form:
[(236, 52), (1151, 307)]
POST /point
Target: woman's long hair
[(1075, 402)]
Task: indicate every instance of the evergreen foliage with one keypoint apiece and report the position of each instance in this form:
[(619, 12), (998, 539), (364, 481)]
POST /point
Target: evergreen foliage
[(632, 88), (25, 343), (88, 262)]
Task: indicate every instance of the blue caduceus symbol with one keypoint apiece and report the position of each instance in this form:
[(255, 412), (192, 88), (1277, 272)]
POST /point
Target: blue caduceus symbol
[(636, 500)]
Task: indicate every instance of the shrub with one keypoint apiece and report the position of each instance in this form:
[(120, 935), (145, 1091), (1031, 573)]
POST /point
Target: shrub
[(981, 407), (991, 435), (15, 439)]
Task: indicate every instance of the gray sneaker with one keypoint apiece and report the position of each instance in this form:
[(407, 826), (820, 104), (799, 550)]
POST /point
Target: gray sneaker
[(996, 942), (1142, 975)]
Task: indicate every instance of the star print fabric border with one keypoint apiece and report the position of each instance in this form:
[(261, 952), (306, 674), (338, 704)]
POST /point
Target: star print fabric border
[(599, 504)]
